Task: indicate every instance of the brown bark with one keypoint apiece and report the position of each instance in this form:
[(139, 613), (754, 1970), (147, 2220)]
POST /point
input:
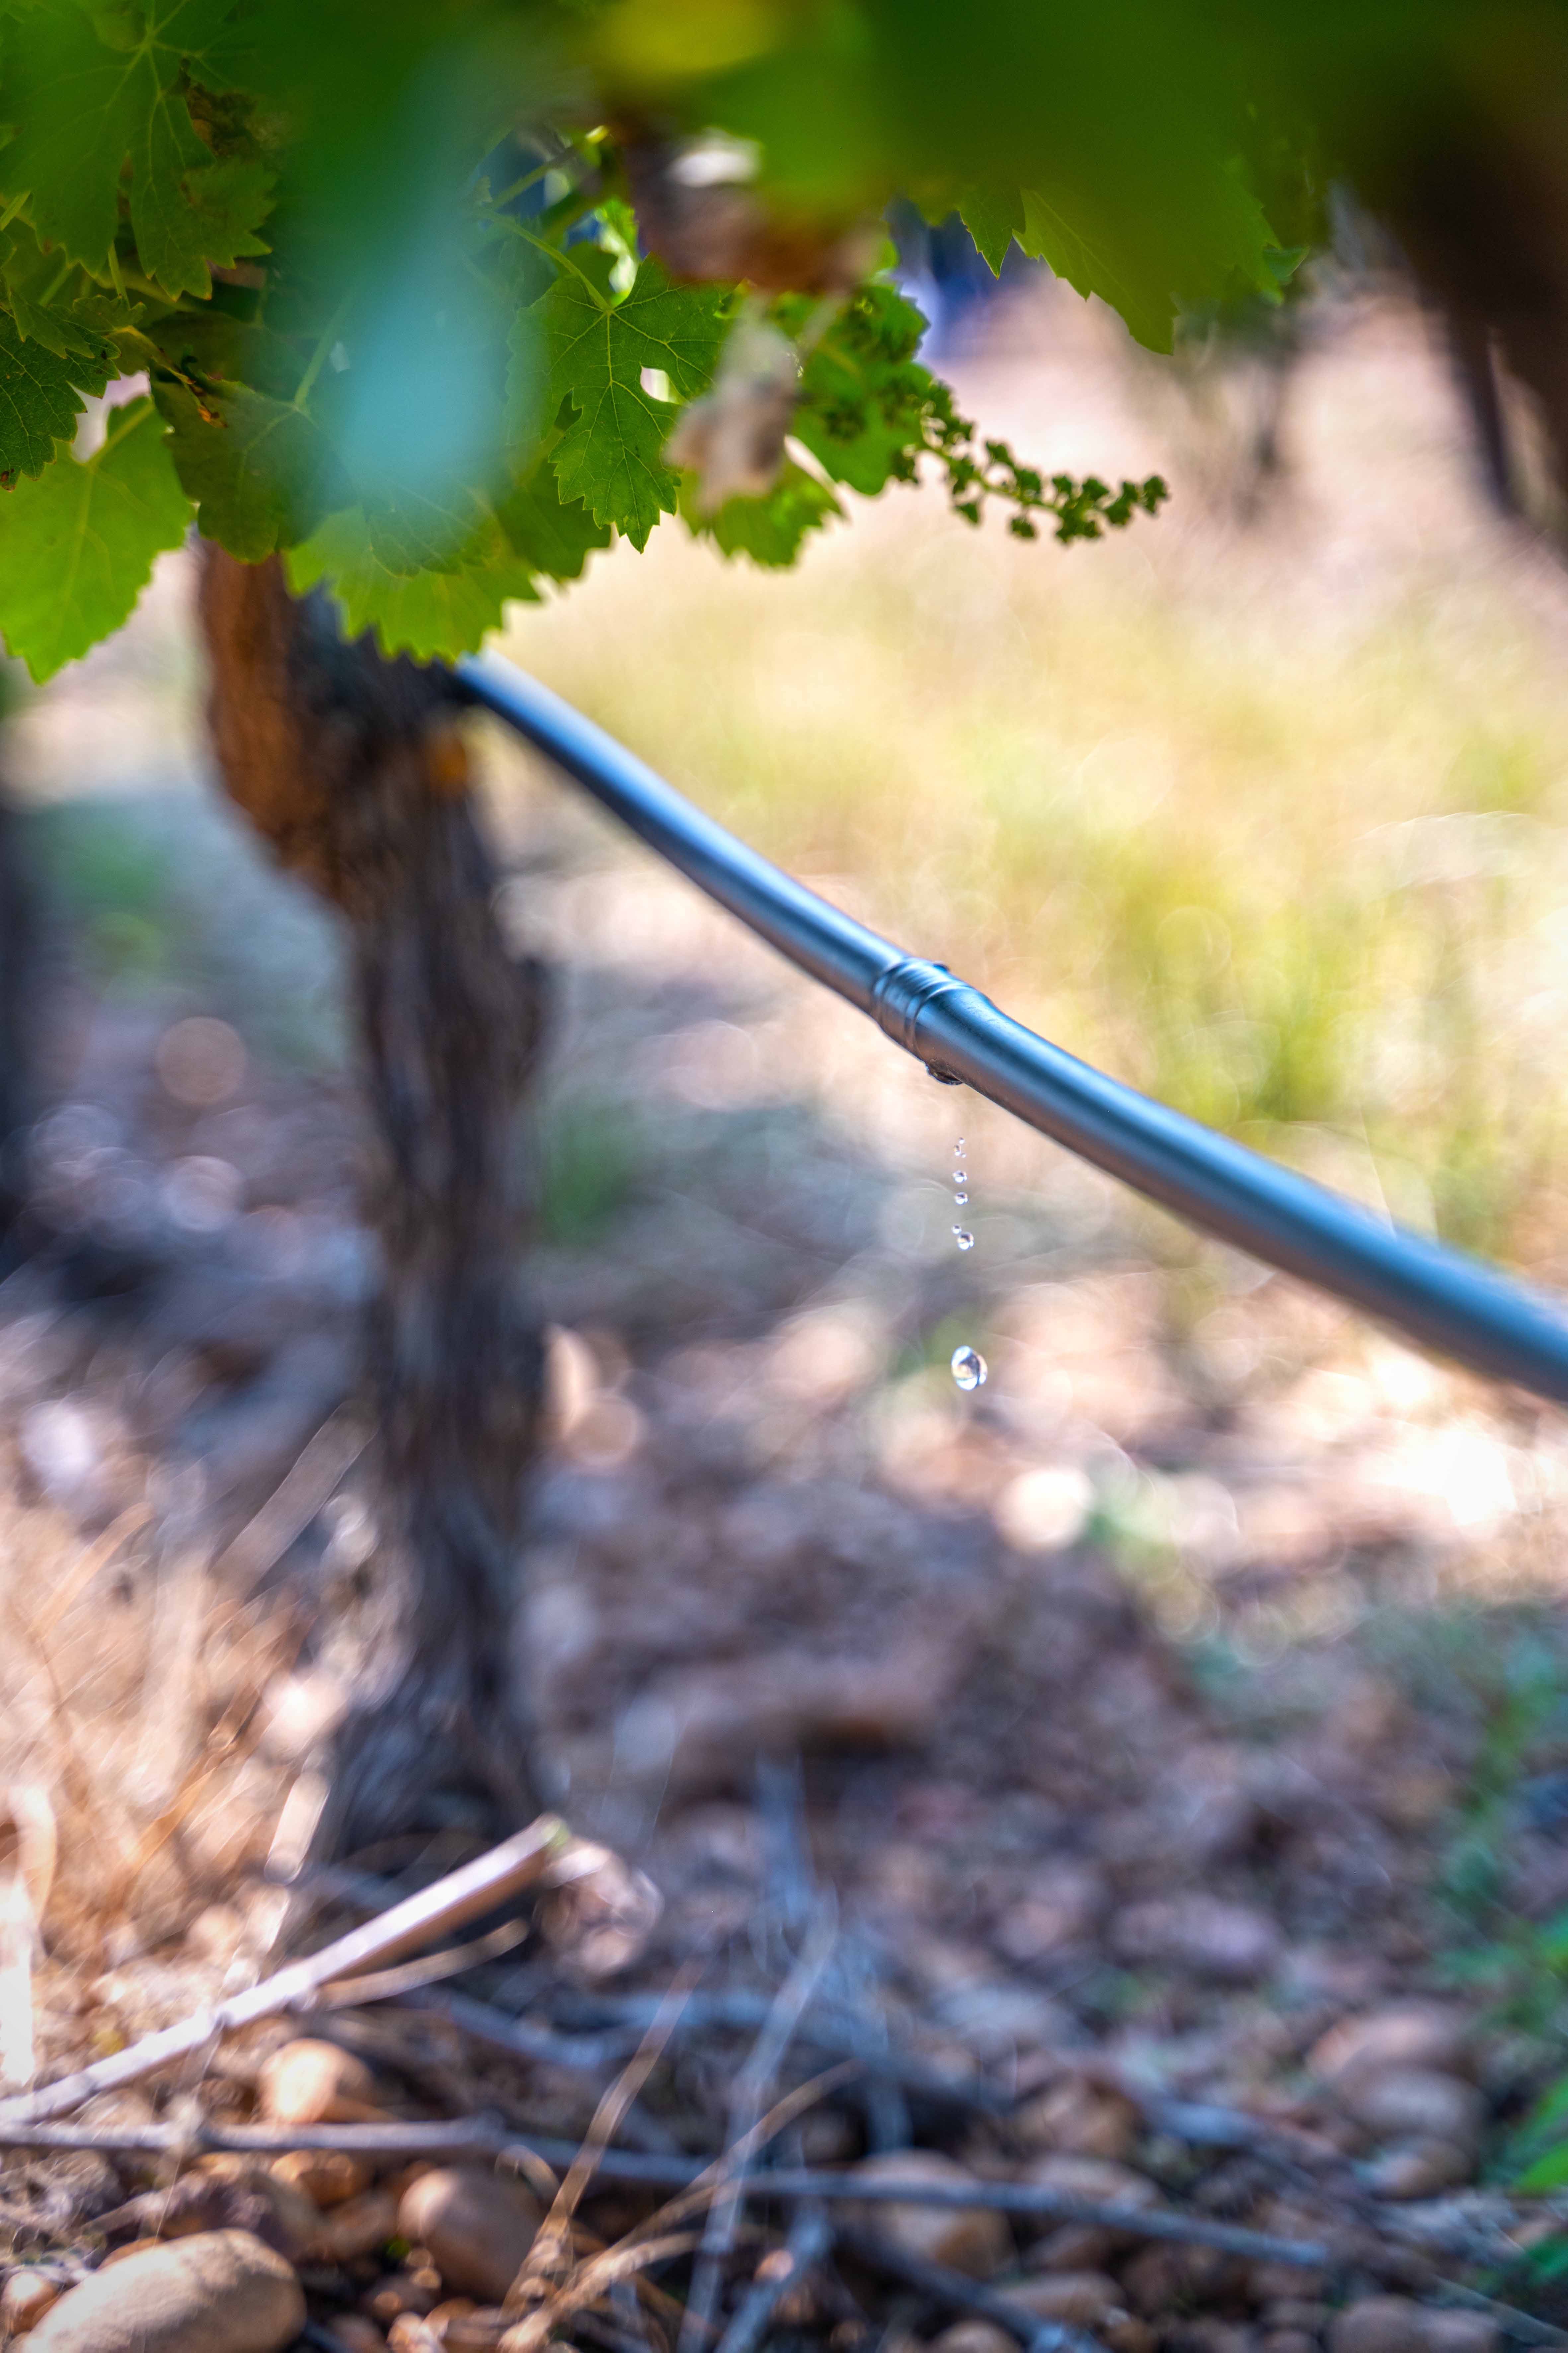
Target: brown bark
[(18, 974), (352, 769)]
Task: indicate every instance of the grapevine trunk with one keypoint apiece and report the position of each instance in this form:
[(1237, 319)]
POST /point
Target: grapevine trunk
[(352, 769)]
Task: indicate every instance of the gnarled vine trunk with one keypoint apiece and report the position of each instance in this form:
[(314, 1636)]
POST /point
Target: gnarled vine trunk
[(18, 978), (352, 769)]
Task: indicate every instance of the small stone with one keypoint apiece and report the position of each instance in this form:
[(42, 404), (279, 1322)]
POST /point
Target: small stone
[(1085, 2246), (971, 2239), (477, 2225), (389, 2299), (1206, 2335), (358, 2227), (28, 2296), (357, 2333), (1292, 2286), (1061, 1905), (221, 2292), (327, 2177), (314, 2083), (411, 2334), (1078, 2299), (1125, 2332), (1405, 2035), (1460, 2332), (1079, 2118), (1378, 2323), (1414, 2103), (1229, 1943), (974, 2337), (1424, 2170)]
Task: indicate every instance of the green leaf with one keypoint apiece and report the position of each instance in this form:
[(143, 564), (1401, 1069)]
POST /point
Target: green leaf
[(769, 530), (261, 472), (1085, 251), (39, 404), (1548, 2172), (553, 534), (430, 615), (85, 93), (76, 546), (611, 454), (994, 217)]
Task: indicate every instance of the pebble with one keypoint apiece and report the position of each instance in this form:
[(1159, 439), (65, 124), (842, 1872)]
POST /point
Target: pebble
[(1405, 2035), (28, 2296), (1079, 2118), (477, 2225), (1424, 2170), (221, 2291), (1125, 2332), (313, 2083), (1229, 1943), (1396, 2323), (358, 2227), (1084, 2246), (357, 2333), (1413, 2104), (327, 2177), (974, 2337), (1080, 2299), (971, 2239)]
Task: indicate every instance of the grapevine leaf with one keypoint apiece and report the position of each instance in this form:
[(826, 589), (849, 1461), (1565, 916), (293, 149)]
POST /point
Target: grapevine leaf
[(1085, 251), (1130, 262), (39, 404), (611, 455), (77, 546), (82, 95), (553, 534), (224, 202), (431, 615), (769, 530), (994, 217), (261, 472)]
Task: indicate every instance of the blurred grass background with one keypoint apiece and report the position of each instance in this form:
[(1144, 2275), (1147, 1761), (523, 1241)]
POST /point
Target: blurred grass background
[(1265, 815)]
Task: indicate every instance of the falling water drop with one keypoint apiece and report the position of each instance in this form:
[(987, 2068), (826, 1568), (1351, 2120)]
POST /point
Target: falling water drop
[(963, 1238), (969, 1369), (959, 1199), (958, 1149)]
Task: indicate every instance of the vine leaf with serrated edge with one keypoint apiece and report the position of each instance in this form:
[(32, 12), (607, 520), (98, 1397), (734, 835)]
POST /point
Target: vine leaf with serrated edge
[(611, 451), (78, 107), (78, 545), (261, 472), (434, 616), (39, 400)]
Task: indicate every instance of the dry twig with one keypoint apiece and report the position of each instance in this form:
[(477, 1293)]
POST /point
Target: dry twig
[(462, 1895)]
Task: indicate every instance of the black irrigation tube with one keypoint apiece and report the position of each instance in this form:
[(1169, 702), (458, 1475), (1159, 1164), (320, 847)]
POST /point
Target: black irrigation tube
[(1447, 1302)]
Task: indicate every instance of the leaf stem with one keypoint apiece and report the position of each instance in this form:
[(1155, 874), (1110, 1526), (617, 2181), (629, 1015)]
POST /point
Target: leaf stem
[(559, 255), (324, 342)]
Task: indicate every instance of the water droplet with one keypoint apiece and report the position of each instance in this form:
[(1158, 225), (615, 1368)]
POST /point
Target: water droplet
[(963, 1238), (958, 1148), (959, 1199), (969, 1369), (961, 1175)]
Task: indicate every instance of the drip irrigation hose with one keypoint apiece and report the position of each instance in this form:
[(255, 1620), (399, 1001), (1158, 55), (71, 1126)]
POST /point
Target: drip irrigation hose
[(1443, 1299)]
